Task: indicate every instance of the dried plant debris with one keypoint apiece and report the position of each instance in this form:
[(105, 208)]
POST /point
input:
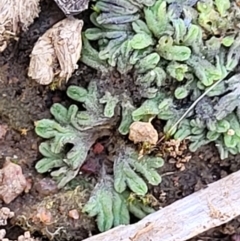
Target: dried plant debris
[(16, 15), (176, 50), (5, 214), (176, 151), (55, 55), (72, 7), (12, 182)]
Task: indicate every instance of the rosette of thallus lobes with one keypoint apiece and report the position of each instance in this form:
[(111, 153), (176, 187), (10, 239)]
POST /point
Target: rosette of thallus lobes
[(184, 54), (182, 59), (72, 133)]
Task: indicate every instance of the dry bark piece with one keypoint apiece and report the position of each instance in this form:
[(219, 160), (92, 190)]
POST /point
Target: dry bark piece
[(143, 132), (12, 182), (56, 53), (14, 16), (72, 7)]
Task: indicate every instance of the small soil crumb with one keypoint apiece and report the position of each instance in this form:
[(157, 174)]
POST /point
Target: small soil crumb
[(45, 187), (5, 214), (91, 166), (98, 148), (56, 53), (12, 182), (143, 132), (43, 215), (73, 214)]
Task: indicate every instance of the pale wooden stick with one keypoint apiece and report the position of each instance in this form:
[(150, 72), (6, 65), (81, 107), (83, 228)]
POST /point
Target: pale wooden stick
[(186, 218)]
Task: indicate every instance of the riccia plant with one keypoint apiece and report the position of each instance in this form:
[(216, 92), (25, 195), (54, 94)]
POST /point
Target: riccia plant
[(182, 59), (70, 136), (129, 173), (183, 54), (74, 128)]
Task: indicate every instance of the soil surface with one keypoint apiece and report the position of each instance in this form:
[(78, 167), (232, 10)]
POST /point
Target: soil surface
[(22, 102)]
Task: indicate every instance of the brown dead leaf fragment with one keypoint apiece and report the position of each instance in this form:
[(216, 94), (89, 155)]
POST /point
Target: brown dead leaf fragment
[(14, 16), (56, 53), (12, 182), (143, 132)]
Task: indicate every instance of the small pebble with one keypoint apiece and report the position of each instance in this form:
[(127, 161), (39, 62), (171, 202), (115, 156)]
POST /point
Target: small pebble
[(73, 214)]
